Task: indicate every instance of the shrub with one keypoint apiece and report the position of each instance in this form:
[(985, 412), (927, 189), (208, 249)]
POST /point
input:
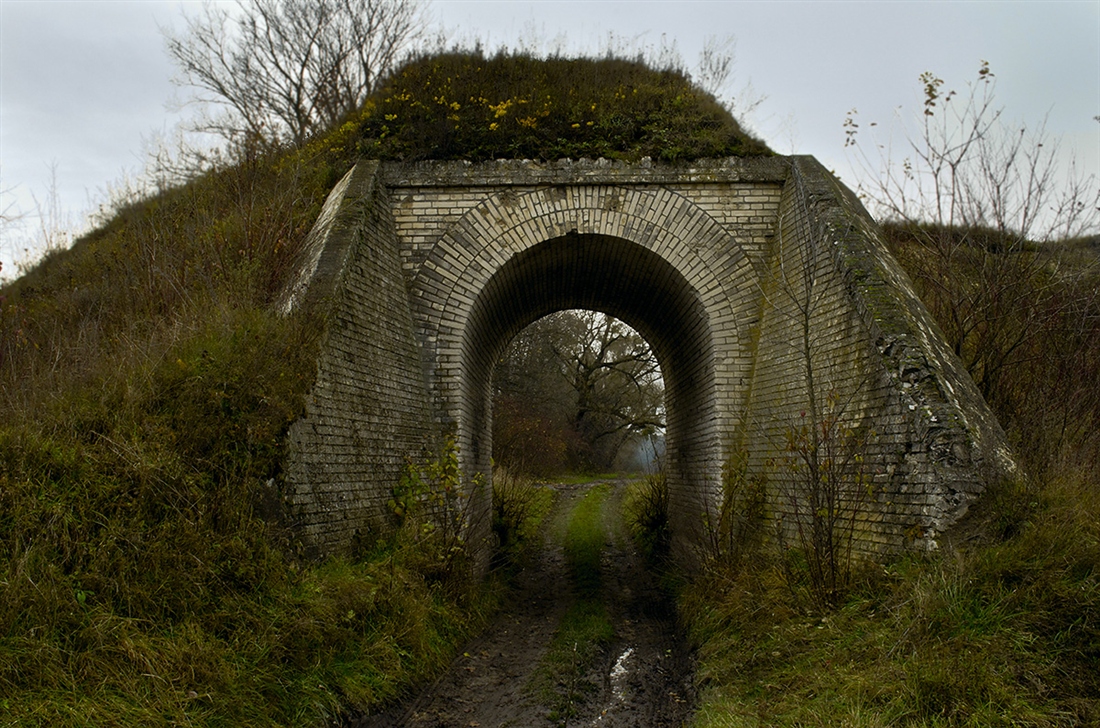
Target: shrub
[(518, 509), (431, 509), (645, 510), (735, 530)]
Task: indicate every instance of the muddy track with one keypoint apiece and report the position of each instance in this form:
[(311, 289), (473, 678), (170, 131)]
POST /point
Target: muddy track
[(643, 677)]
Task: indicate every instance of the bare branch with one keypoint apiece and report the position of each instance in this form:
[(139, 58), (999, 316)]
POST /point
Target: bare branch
[(285, 69), (967, 166)]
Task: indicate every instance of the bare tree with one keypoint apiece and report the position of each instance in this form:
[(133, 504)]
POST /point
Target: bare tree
[(968, 167), (977, 207), (824, 482), (714, 74), (615, 378), (9, 215), (284, 69), (573, 388)]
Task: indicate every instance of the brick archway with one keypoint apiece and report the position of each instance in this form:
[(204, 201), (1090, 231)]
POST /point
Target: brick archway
[(420, 274), (649, 257)]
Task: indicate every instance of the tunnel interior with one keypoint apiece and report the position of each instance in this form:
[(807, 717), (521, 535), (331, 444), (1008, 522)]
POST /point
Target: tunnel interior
[(575, 392), (619, 278)]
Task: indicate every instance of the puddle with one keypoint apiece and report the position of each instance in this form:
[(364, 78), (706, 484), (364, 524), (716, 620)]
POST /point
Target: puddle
[(618, 678), (619, 673)]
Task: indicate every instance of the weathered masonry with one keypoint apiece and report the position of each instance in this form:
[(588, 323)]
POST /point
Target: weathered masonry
[(749, 278)]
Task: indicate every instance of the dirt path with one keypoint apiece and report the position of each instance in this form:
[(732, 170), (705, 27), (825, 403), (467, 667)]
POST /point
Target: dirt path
[(645, 674)]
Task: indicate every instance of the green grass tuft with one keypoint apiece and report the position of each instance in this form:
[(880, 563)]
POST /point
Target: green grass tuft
[(519, 507), (645, 512)]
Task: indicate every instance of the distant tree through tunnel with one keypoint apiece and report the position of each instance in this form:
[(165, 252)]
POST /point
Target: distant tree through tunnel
[(577, 391)]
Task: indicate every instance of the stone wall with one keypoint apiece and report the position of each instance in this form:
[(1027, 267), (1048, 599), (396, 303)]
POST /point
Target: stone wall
[(426, 271), (669, 250), (367, 412), (837, 307)]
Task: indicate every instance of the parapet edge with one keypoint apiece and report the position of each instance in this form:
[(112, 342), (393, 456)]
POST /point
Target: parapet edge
[(521, 172)]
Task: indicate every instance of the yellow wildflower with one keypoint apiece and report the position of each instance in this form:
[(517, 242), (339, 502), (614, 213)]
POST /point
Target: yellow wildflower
[(501, 109)]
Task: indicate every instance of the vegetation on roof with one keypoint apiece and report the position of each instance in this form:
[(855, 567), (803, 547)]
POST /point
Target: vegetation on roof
[(514, 106)]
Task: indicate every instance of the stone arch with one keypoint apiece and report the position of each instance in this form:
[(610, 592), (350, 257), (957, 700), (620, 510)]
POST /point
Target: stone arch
[(647, 256), (415, 295)]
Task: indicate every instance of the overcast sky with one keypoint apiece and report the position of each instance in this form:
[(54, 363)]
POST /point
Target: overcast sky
[(84, 82)]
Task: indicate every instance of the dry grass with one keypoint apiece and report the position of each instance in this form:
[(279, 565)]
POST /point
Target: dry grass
[(1003, 635), (1001, 632)]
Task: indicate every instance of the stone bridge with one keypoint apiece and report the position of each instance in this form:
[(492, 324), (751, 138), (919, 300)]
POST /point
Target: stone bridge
[(762, 285)]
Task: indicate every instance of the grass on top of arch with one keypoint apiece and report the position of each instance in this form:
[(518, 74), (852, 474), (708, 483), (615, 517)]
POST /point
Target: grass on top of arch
[(516, 106)]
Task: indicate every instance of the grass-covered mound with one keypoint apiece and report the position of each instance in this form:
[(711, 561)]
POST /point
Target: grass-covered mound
[(148, 574), (467, 106)]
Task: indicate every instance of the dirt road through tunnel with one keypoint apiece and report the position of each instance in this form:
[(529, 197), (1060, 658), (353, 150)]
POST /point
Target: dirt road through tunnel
[(641, 677)]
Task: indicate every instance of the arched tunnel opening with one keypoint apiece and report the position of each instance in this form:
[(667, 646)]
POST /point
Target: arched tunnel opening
[(637, 286)]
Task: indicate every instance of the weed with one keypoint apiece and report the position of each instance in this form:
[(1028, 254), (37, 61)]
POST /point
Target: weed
[(827, 493), (519, 507), (432, 513), (645, 511), (737, 530)]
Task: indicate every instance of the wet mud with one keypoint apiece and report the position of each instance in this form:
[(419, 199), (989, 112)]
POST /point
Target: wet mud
[(643, 678)]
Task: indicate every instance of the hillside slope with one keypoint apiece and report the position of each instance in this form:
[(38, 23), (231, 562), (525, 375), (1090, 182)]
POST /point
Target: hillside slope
[(148, 573)]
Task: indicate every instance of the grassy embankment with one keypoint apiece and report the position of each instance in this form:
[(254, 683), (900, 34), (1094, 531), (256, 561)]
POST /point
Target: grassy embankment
[(148, 574), (1001, 631)]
